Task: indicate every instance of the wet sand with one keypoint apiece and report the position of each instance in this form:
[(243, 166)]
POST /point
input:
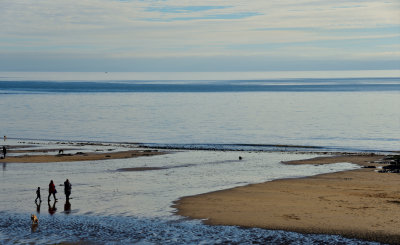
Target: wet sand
[(361, 204), (79, 156)]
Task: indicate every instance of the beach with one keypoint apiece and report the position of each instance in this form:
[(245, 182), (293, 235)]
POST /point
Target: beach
[(77, 156), (362, 203), (130, 186)]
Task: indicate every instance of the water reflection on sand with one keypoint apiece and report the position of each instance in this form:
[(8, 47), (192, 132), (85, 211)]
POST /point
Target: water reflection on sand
[(132, 206)]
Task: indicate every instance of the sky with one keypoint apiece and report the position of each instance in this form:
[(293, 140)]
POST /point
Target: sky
[(208, 35)]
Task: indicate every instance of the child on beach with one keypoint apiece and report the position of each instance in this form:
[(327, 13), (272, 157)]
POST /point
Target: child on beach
[(38, 195)]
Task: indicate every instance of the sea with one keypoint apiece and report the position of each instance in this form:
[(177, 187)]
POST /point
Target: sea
[(205, 121)]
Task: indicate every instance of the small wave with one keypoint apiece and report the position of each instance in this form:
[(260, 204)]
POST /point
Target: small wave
[(260, 147), (232, 147), (16, 228)]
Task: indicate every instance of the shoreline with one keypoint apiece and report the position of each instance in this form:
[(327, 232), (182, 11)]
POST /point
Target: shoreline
[(361, 203), (290, 148), (76, 157)]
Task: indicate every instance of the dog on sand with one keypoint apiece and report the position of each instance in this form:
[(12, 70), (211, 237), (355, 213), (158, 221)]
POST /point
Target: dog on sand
[(34, 219), (61, 151)]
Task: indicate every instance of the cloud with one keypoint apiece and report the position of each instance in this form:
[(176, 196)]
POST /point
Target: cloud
[(134, 29)]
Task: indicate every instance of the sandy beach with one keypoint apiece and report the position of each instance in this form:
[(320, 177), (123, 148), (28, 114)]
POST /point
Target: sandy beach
[(27, 157), (361, 204)]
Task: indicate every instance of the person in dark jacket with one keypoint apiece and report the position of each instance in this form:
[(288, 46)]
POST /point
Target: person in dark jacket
[(52, 190), (4, 151), (67, 188)]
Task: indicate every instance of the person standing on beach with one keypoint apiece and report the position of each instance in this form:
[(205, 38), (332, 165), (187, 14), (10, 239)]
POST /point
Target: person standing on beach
[(67, 189), (52, 190), (4, 151), (38, 195)]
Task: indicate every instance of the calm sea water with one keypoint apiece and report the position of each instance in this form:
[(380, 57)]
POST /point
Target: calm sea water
[(356, 113), (252, 112)]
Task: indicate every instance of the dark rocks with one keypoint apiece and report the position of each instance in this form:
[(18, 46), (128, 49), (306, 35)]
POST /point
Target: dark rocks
[(394, 164)]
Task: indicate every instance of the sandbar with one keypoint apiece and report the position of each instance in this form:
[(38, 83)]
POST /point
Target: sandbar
[(362, 203), (79, 156)]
